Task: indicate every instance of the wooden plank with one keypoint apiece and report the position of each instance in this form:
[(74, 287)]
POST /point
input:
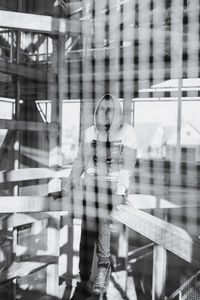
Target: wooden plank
[(16, 116), (28, 204), (25, 204), (141, 201), (26, 174), (40, 23), (171, 237), (31, 174), (55, 158), (14, 220), (5, 78), (123, 254), (53, 248), (146, 182), (185, 217), (166, 165), (27, 125), (21, 269), (178, 195), (18, 219), (23, 71)]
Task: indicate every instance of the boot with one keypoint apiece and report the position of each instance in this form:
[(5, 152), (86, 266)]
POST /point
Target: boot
[(82, 291), (102, 278)]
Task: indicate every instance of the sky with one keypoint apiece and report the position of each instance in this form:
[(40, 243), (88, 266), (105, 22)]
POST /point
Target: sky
[(166, 113), (146, 112)]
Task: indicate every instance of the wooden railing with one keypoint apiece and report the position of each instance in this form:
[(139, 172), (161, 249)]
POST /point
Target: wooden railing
[(171, 195), (166, 237)]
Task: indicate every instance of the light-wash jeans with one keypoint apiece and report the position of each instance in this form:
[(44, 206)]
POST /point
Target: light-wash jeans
[(103, 242), (97, 204), (91, 234)]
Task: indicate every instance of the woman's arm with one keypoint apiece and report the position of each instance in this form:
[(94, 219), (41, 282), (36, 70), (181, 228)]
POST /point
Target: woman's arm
[(129, 154)]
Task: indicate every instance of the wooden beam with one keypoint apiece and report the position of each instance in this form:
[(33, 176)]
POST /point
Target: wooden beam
[(40, 23), (11, 220), (53, 240), (171, 237), (21, 269), (141, 201), (28, 174), (27, 125), (23, 71), (176, 194), (186, 217), (28, 204), (14, 220), (5, 78), (123, 255)]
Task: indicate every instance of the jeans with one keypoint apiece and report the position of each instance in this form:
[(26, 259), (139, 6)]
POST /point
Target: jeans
[(93, 231), (97, 204)]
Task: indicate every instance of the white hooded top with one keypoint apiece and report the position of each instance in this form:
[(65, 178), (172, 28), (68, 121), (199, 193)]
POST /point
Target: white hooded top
[(109, 155)]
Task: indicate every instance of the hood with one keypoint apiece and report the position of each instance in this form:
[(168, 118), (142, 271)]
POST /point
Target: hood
[(117, 119)]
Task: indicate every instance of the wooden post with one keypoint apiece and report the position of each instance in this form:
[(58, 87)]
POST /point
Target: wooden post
[(133, 113), (11, 46), (87, 12), (177, 59), (55, 158), (179, 115), (159, 272), (16, 116), (128, 57), (52, 280), (123, 253), (17, 112)]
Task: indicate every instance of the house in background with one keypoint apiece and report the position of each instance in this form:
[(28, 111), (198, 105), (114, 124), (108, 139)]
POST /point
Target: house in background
[(156, 141), (152, 138), (144, 133), (190, 144)]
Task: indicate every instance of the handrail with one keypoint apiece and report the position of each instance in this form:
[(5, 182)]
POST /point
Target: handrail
[(170, 237), (28, 204), (27, 174), (159, 174)]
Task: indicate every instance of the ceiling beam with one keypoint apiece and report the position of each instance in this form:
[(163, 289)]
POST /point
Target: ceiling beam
[(40, 23), (27, 125), (24, 71)]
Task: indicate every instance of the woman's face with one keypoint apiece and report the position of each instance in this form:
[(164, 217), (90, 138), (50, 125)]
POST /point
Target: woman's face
[(105, 112)]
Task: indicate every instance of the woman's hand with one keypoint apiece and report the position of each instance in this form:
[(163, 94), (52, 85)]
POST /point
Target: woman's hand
[(69, 184), (120, 199)]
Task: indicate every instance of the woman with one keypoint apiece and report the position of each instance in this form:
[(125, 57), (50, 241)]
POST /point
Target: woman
[(107, 158)]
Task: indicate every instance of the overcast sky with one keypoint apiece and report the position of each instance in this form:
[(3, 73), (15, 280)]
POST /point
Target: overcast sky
[(166, 113)]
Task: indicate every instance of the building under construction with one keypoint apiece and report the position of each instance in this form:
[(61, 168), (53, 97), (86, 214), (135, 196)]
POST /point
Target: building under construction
[(57, 59)]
